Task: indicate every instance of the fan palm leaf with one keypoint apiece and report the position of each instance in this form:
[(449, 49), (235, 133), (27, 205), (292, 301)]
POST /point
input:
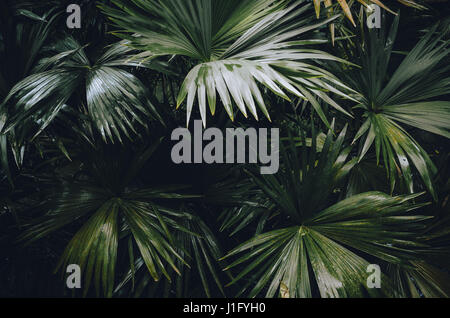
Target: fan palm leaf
[(234, 46), (281, 261), (21, 42), (116, 99), (199, 247), (111, 209), (407, 96)]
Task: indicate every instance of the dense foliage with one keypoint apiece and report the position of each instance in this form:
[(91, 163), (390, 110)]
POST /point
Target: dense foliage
[(86, 175)]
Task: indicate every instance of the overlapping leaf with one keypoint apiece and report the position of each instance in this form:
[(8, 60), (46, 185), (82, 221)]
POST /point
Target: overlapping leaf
[(116, 99), (235, 49), (109, 213), (280, 262), (406, 96), (346, 8)]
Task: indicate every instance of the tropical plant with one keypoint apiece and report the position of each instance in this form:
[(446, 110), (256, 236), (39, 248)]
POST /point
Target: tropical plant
[(317, 233), (87, 116), (35, 101), (407, 95), (346, 7), (233, 46), (117, 212), (22, 36)]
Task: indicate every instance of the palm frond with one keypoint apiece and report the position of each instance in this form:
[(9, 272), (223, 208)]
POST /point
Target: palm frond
[(116, 99), (321, 232), (406, 96), (346, 6), (109, 214), (255, 42)]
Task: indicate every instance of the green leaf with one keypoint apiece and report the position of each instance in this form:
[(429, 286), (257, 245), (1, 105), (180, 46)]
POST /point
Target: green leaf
[(234, 48)]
